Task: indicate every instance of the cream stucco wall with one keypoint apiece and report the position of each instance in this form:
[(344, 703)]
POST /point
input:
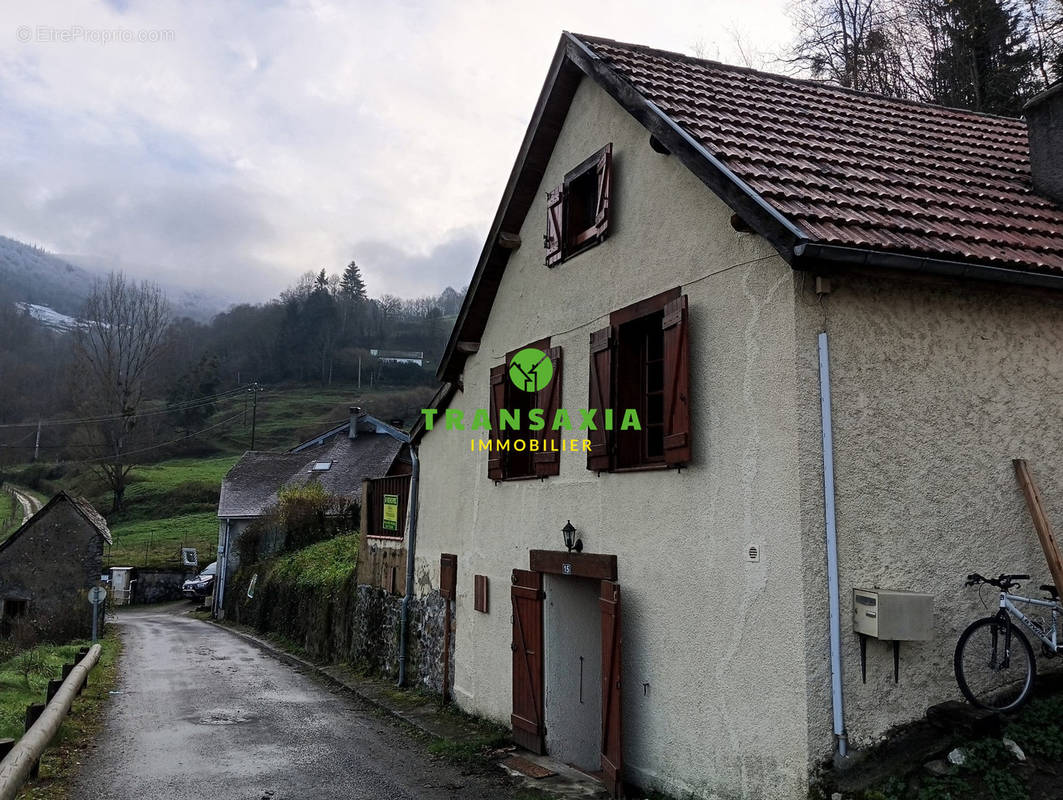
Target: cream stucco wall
[(715, 691), (936, 387)]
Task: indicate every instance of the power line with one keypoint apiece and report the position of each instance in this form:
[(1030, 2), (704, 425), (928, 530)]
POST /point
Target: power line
[(127, 453), (186, 405)]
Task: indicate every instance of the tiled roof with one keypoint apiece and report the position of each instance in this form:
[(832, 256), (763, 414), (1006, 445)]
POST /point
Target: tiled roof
[(92, 516), (859, 170), (251, 486)]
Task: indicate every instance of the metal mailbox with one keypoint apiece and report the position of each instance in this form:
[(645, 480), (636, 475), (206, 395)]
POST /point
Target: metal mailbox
[(892, 615)]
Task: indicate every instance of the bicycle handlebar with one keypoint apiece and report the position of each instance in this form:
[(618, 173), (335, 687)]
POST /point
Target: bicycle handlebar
[(1003, 582)]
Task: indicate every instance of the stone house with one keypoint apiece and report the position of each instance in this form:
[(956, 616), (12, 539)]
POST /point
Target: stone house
[(48, 566), (338, 459), (837, 319)]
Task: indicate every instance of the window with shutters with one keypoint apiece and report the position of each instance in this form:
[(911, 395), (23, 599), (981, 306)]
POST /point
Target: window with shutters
[(518, 464), (577, 211), (640, 362)]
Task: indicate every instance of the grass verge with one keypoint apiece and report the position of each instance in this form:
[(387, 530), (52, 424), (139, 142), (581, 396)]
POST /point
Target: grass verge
[(79, 731)]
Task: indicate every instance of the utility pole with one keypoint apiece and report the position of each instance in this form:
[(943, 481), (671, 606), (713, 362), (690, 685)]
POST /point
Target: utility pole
[(359, 371), (37, 444), (254, 410)]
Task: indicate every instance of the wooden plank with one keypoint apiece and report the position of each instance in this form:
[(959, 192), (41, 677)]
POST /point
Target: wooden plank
[(1040, 521), (599, 566)]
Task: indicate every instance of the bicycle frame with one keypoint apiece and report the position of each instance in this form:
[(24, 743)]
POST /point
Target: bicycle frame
[(1007, 603)]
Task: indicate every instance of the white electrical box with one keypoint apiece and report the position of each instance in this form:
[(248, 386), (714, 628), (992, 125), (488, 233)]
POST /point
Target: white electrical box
[(893, 616)]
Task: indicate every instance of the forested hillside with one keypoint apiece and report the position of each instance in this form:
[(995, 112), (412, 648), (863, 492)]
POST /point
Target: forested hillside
[(133, 382)]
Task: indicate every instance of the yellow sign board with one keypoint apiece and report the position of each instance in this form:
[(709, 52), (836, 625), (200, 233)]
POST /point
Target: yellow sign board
[(391, 512)]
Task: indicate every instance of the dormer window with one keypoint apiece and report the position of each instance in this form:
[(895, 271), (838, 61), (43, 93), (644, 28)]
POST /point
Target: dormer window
[(321, 466), (577, 211)]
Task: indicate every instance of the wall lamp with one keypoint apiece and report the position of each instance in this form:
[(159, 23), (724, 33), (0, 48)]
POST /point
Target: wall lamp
[(571, 542)]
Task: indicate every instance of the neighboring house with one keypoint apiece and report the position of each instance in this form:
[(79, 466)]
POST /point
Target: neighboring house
[(48, 566), (338, 459), (708, 229), (399, 356)]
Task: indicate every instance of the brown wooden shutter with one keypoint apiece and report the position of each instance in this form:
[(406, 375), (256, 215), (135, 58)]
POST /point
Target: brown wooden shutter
[(527, 718), (612, 728), (479, 593), (548, 460), (605, 185), (553, 241), (495, 466), (676, 382), (599, 458)]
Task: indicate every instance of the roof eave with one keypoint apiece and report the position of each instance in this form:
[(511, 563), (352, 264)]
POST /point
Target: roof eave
[(815, 257)]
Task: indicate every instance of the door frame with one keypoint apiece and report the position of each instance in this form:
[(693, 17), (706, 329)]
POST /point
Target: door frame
[(601, 567)]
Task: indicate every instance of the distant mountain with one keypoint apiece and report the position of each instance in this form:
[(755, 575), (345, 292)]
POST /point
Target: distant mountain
[(31, 275)]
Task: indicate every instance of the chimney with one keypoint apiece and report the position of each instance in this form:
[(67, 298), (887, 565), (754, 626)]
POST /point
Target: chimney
[(356, 412), (1044, 121)]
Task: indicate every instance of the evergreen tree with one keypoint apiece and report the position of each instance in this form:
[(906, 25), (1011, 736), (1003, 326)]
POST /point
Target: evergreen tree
[(352, 287), (987, 63)]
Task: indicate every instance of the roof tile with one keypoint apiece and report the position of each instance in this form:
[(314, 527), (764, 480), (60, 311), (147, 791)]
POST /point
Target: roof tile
[(857, 169)]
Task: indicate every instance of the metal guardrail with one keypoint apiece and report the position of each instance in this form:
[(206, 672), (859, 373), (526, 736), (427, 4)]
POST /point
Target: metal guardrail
[(18, 764)]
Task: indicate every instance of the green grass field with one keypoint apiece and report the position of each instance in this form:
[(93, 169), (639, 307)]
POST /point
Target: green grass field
[(24, 680), (10, 514), (157, 543), (287, 416), (173, 503)]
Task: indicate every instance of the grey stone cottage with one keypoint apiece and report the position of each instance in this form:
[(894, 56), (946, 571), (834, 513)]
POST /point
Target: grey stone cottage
[(47, 567), (339, 459)]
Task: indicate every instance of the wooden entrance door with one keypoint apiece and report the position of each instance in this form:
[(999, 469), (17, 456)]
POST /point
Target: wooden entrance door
[(527, 719), (612, 757)]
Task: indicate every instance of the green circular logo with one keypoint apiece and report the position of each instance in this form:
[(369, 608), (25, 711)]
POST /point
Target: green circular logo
[(531, 369)]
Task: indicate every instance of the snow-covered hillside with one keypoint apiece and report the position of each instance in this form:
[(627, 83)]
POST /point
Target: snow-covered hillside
[(49, 317), (31, 275)]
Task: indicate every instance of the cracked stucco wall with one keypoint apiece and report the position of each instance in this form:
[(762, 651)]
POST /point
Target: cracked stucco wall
[(936, 387), (714, 662)]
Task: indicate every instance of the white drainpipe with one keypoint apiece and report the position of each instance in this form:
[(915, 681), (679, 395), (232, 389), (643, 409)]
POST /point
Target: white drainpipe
[(220, 575), (840, 736)]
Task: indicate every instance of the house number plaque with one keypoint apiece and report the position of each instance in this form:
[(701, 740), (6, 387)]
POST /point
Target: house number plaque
[(566, 568)]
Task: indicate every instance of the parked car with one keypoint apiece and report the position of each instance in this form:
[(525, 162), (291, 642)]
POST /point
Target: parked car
[(202, 584)]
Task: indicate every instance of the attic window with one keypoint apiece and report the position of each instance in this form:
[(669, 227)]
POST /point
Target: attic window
[(321, 466), (577, 211)]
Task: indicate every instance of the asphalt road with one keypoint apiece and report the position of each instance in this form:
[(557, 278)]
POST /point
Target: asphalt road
[(201, 713)]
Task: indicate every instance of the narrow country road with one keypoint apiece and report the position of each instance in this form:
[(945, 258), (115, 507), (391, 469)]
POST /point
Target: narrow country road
[(201, 713), (30, 504)]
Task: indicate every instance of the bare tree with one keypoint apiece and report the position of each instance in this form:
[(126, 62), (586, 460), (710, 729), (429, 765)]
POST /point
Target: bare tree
[(1045, 19), (114, 350), (849, 43)]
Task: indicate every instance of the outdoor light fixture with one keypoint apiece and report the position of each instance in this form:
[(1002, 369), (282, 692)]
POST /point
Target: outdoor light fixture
[(571, 542)]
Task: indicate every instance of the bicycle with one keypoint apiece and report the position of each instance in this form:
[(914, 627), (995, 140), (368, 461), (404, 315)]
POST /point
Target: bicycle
[(994, 661)]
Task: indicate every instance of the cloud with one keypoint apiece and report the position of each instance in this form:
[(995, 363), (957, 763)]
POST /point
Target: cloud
[(247, 142), (449, 263)]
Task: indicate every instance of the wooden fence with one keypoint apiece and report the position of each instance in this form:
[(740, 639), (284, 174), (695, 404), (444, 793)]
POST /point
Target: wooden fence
[(384, 509)]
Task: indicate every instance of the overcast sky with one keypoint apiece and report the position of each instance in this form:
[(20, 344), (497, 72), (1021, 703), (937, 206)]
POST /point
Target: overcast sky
[(258, 140)]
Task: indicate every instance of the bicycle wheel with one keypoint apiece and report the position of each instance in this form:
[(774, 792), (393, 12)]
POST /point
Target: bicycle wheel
[(988, 676)]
